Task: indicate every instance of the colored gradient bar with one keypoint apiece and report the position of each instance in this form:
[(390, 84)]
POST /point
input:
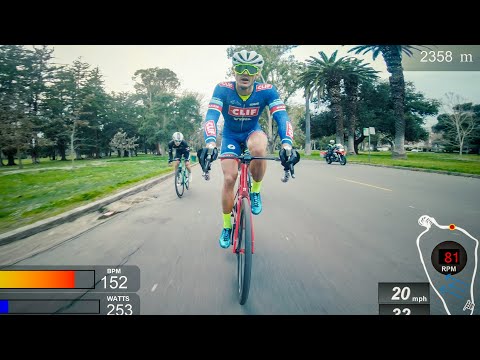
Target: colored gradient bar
[(50, 306), (37, 279), (3, 306)]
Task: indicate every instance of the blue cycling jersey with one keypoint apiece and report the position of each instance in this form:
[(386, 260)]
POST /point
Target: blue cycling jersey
[(242, 116)]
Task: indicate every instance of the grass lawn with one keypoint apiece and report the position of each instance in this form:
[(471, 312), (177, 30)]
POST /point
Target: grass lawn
[(468, 164), (40, 191)]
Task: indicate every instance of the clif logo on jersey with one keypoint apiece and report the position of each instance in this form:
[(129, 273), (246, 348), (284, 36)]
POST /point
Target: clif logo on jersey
[(226, 84), (210, 128), (238, 111), (289, 129), (261, 87)]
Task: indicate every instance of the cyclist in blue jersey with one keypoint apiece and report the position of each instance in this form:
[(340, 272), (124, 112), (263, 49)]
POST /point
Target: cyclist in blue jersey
[(241, 102)]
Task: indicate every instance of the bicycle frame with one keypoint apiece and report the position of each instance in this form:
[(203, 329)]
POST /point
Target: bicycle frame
[(242, 192)]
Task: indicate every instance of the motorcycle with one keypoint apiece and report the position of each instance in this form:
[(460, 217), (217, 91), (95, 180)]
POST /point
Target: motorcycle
[(337, 155)]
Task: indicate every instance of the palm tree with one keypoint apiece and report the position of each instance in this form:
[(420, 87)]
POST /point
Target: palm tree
[(392, 54), (355, 73), (323, 75)]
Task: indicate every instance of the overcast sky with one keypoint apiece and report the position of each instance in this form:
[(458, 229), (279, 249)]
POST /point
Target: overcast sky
[(201, 67)]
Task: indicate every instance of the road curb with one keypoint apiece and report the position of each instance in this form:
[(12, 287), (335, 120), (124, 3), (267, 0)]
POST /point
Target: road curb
[(73, 214)]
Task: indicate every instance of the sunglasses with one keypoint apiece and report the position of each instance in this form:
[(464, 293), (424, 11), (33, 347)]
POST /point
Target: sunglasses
[(250, 69)]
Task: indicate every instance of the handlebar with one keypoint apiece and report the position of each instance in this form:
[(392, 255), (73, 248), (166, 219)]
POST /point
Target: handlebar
[(246, 158)]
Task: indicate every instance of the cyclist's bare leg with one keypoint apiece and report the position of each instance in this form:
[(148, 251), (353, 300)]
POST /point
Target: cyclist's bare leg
[(230, 172), (176, 162), (257, 145), (187, 164)]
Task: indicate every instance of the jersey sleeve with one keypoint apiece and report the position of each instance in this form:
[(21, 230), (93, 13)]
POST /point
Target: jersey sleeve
[(213, 114), (187, 149), (170, 148), (279, 113)]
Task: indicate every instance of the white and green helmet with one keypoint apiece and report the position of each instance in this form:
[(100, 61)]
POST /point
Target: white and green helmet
[(177, 136), (248, 57)]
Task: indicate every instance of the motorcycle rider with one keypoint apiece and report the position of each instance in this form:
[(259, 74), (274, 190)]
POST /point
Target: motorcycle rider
[(331, 147)]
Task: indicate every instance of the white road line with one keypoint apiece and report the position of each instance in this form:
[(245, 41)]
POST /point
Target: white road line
[(356, 182), (154, 287)]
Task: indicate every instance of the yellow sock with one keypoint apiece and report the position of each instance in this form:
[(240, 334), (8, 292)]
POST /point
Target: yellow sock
[(256, 186), (227, 223)]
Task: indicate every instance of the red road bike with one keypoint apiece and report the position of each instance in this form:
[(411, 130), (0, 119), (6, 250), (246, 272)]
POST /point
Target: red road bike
[(243, 238)]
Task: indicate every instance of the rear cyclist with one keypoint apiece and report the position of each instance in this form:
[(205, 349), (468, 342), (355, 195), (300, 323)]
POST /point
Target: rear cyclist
[(181, 148)]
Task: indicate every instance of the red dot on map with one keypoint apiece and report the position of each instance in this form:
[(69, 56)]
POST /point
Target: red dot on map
[(452, 226)]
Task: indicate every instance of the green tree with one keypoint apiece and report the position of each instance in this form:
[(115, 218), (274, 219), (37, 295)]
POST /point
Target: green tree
[(392, 54), (123, 144), (41, 74), (123, 112), (15, 118), (460, 123), (93, 113), (323, 76), (376, 109), (155, 88), (355, 73)]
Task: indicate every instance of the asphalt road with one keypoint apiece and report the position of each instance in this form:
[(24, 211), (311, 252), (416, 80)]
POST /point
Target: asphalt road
[(324, 240)]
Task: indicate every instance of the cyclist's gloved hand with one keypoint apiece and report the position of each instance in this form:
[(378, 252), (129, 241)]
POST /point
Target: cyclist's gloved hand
[(288, 156), (205, 154)]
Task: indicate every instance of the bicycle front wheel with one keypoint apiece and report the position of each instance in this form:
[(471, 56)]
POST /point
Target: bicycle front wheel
[(185, 179), (244, 251), (179, 183)]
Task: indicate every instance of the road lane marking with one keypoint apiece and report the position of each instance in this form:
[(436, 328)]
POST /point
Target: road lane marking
[(154, 287), (356, 182)]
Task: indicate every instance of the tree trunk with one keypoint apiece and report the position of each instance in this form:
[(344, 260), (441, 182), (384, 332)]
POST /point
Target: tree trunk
[(269, 126), (352, 123), (62, 151), (72, 149), (10, 153), (398, 95), (11, 160), (351, 88), (393, 60), (308, 150), (97, 140), (337, 112)]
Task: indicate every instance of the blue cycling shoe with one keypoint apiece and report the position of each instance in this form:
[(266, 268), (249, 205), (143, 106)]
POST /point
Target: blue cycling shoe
[(225, 238), (256, 201)]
